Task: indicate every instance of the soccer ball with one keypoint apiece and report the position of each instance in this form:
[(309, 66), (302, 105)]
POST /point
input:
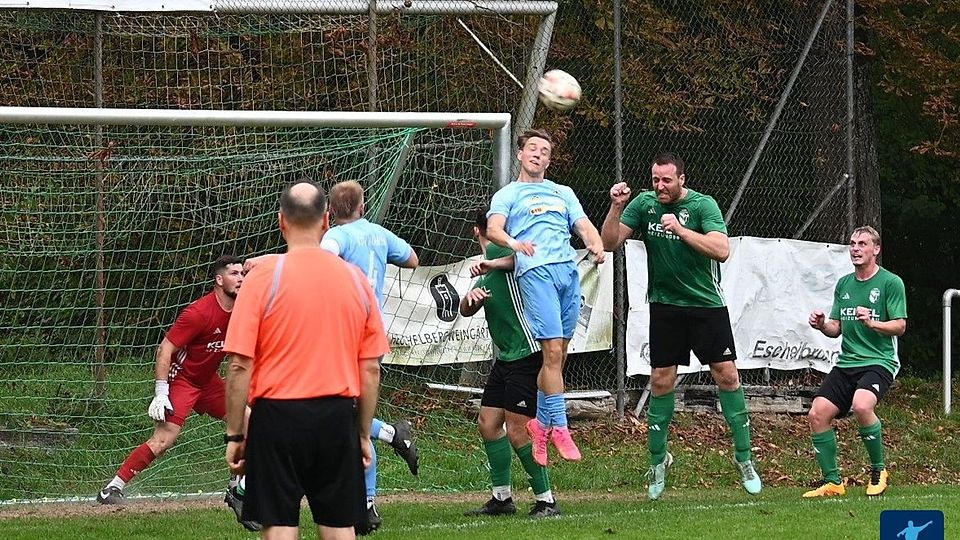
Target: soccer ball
[(559, 90)]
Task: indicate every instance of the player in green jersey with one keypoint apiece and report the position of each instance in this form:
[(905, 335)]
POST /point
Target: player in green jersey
[(869, 312), (510, 395), (686, 241)]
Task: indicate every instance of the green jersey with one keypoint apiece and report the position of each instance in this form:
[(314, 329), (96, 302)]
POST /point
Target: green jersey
[(885, 295), (676, 273), (504, 310)]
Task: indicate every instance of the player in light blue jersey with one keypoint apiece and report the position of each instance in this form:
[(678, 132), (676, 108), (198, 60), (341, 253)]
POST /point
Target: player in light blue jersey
[(371, 247), (534, 216), (365, 244)]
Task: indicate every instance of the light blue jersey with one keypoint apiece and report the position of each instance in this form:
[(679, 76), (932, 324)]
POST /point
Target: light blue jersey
[(369, 246), (542, 213)]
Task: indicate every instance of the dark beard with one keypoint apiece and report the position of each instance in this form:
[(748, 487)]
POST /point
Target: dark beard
[(232, 295)]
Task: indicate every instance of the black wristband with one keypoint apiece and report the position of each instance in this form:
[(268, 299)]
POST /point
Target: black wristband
[(233, 438)]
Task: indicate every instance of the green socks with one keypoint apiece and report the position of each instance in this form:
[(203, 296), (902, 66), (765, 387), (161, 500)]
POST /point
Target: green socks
[(825, 445), (539, 480), (659, 415), (498, 455), (735, 412), (873, 440)]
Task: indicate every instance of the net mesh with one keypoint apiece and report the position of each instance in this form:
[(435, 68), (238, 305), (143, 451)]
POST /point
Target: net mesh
[(105, 243)]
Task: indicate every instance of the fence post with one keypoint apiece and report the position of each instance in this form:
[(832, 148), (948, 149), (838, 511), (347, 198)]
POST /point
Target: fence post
[(947, 300)]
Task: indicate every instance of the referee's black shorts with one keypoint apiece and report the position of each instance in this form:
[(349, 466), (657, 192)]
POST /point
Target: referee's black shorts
[(677, 330), (304, 447)]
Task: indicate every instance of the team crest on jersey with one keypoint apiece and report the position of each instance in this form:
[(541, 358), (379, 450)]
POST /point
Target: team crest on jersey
[(874, 295), (683, 216)]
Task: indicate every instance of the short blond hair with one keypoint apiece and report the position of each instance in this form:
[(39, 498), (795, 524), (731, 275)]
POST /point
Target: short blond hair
[(868, 230), (345, 198)]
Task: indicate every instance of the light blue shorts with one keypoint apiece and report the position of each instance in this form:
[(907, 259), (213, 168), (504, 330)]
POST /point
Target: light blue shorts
[(551, 300)]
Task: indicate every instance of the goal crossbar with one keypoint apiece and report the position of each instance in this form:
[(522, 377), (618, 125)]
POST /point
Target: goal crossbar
[(498, 123)]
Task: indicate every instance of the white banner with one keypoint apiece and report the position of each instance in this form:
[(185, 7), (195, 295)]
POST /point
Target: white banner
[(771, 286), (425, 327)]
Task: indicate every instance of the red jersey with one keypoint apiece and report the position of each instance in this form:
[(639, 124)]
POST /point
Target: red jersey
[(198, 334)]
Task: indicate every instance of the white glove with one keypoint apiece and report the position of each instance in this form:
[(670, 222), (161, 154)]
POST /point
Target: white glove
[(161, 402)]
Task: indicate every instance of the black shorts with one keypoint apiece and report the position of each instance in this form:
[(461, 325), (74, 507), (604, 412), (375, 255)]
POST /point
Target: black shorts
[(677, 330), (841, 383), (304, 447), (513, 385)]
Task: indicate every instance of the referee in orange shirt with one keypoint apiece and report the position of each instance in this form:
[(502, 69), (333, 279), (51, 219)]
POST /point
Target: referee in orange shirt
[(304, 341)]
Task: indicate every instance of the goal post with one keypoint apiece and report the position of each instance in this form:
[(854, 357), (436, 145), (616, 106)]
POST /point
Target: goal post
[(110, 219)]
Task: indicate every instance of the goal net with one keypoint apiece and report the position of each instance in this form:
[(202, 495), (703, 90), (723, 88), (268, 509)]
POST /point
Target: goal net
[(108, 232)]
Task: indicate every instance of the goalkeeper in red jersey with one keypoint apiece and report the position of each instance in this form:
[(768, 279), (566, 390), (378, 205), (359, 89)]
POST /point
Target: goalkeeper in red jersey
[(187, 379)]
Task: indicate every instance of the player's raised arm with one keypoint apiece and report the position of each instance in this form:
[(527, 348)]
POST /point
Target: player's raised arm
[(614, 233), (829, 327)]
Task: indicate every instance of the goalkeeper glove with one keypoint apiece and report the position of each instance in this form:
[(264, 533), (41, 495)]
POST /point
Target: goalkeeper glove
[(161, 402)]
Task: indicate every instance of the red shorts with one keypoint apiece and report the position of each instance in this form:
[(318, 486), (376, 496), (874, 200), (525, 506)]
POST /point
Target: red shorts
[(209, 399)]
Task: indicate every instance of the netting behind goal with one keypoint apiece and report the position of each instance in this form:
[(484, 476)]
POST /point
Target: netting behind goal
[(105, 243)]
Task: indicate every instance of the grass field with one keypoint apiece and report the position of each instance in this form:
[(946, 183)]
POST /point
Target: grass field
[(777, 513), (601, 497)]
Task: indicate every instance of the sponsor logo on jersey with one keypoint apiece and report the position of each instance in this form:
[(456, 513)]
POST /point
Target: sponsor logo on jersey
[(656, 229), (850, 313)]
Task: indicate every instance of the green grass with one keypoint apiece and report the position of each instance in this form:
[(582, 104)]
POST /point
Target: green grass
[(601, 497), (777, 513)]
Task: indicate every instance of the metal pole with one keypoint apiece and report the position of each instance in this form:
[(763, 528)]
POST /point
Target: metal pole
[(372, 91), (502, 156), (197, 117), (372, 56), (772, 123), (528, 99), (813, 215), (100, 349), (851, 186), (948, 296), (384, 7), (619, 259)]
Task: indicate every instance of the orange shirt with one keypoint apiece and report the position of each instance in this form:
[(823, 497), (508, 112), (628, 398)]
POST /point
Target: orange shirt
[(306, 326)]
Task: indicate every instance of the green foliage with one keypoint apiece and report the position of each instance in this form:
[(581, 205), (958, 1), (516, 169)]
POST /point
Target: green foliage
[(914, 50)]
